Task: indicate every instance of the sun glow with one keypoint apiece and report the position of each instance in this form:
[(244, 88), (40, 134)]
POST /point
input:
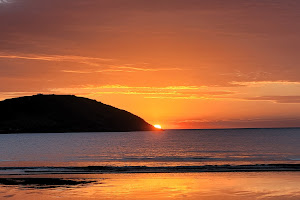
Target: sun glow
[(157, 126)]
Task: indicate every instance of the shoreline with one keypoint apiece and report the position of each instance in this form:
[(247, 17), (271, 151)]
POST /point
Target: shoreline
[(144, 169), (149, 186)]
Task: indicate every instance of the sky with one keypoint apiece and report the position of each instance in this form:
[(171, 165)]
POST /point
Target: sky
[(178, 63)]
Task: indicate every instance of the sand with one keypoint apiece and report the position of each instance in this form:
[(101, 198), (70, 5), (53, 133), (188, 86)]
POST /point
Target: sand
[(206, 185)]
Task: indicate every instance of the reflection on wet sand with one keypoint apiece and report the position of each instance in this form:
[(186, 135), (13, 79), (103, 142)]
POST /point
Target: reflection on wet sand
[(227, 186), (40, 183)]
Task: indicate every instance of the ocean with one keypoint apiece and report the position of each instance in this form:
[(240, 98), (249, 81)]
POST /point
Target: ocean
[(152, 149)]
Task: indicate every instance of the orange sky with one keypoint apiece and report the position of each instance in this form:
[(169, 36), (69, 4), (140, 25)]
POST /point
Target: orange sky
[(178, 63)]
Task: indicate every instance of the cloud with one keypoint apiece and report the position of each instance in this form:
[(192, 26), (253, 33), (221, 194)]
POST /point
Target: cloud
[(268, 89), (116, 69), (143, 87), (77, 71), (148, 92), (176, 97), (136, 69), (124, 89), (145, 69), (107, 28), (276, 99), (57, 58), (267, 122), (96, 64), (265, 83)]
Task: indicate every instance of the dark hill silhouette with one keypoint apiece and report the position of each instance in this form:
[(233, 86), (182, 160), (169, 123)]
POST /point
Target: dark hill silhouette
[(65, 113)]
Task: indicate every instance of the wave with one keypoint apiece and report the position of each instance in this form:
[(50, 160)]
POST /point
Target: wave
[(233, 157), (145, 169)]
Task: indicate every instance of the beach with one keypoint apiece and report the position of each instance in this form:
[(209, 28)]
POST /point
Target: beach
[(208, 186)]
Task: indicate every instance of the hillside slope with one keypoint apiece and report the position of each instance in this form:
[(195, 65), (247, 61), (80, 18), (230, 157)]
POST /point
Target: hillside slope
[(65, 113)]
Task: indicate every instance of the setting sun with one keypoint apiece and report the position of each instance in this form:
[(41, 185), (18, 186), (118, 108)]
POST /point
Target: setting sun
[(157, 126)]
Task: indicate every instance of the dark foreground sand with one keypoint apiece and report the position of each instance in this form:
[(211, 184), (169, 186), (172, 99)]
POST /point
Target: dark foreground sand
[(192, 185)]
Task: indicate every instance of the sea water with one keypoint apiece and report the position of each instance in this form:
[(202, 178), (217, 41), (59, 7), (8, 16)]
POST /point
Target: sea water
[(159, 148)]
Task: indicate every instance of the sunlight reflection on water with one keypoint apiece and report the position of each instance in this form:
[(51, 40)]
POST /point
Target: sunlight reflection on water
[(227, 186)]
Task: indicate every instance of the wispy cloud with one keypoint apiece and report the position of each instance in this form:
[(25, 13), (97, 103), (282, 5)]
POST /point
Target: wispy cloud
[(168, 92), (265, 83), (137, 68), (93, 61), (77, 71), (176, 97), (144, 87), (138, 93), (239, 123), (276, 99), (101, 65), (234, 120), (273, 91), (145, 69)]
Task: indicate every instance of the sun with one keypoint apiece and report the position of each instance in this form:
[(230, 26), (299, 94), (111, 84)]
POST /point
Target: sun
[(157, 126)]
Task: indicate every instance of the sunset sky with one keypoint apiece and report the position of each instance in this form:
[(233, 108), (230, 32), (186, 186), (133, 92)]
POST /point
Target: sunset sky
[(178, 63)]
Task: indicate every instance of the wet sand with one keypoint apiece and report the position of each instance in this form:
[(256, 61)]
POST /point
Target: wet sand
[(206, 185)]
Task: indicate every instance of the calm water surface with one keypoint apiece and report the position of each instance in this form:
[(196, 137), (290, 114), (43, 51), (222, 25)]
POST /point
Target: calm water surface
[(167, 148)]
